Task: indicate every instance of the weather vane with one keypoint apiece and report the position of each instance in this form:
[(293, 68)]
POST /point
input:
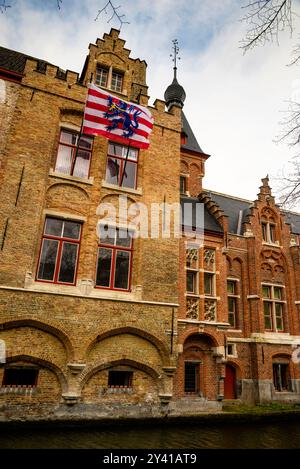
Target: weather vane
[(175, 55), (114, 13)]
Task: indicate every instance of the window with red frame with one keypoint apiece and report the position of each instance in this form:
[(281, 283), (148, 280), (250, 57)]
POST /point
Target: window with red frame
[(117, 163), (114, 258), (59, 251), (74, 154)]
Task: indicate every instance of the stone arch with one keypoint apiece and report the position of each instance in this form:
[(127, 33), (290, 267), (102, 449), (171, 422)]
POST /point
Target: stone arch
[(283, 355), (114, 199), (67, 197), (268, 214), (58, 333), (43, 363), (134, 331), (110, 54), (228, 264), (195, 167), (234, 363), (89, 372), (58, 185), (184, 167), (195, 332)]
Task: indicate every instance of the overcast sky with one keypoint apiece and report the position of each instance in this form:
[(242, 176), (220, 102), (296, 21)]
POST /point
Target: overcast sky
[(234, 102)]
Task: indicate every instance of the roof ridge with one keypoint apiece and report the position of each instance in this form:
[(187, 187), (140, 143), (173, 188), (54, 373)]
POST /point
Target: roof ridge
[(228, 195)]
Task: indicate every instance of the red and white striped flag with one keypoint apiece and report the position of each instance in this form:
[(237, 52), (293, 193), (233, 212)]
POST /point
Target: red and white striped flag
[(115, 119)]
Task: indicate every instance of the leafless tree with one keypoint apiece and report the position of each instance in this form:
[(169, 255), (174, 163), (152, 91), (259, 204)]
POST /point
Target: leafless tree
[(4, 6), (266, 19)]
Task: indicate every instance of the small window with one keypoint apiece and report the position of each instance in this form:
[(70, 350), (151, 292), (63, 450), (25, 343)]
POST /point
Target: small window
[(208, 284), (121, 166), (59, 251), (183, 185), (117, 81), (114, 258), (191, 281), (183, 138), (191, 377), (120, 379), (101, 76), (74, 154), (232, 300), (20, 377), (230, 349)]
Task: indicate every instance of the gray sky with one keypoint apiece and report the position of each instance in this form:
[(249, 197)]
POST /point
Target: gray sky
[(234, 102)]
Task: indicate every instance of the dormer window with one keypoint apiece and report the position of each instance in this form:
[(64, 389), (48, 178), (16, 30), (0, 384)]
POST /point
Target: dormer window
[(183, 138)]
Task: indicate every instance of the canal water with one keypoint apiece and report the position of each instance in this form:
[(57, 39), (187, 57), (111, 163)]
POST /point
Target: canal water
[(279, 435)]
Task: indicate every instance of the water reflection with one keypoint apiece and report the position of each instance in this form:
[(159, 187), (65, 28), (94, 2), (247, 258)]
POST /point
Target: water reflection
[(193, 436)]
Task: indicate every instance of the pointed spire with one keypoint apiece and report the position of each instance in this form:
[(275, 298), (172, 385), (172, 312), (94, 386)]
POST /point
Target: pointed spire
[(175, 94)]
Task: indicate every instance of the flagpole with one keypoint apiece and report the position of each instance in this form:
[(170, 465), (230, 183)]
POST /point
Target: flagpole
[(79, 137), (77, 146), (126, 158)]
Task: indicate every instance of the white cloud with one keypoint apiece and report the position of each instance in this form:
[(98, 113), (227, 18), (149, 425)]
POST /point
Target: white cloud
[(233, 101)]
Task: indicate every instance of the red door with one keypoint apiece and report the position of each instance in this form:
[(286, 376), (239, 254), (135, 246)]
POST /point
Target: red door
[(230, 383)]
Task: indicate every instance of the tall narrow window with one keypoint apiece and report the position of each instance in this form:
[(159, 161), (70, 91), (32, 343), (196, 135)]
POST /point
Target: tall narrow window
[(74, 154), (117, 81), (208, 284), (273, 307), (281, 376), (121, 166), (183, 185), (59, 251), (191, 377), (191, 281), (232, 303), (114, 259), (101, 76)]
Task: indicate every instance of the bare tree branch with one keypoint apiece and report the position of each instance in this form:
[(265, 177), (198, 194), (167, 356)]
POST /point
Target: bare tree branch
[(266, 18), (114, 13), (288, 190), (4, 6)]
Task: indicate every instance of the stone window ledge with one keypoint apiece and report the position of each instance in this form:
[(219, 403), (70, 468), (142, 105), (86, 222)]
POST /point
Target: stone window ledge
[(89, 181), (84, 288), (107, 185)]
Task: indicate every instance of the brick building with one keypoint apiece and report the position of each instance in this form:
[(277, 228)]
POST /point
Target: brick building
[(125, 327)]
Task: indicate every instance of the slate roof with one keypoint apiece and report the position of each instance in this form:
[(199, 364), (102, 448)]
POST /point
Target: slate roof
[(14, 61), (237, 210), (189, 216), (191, 141)]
